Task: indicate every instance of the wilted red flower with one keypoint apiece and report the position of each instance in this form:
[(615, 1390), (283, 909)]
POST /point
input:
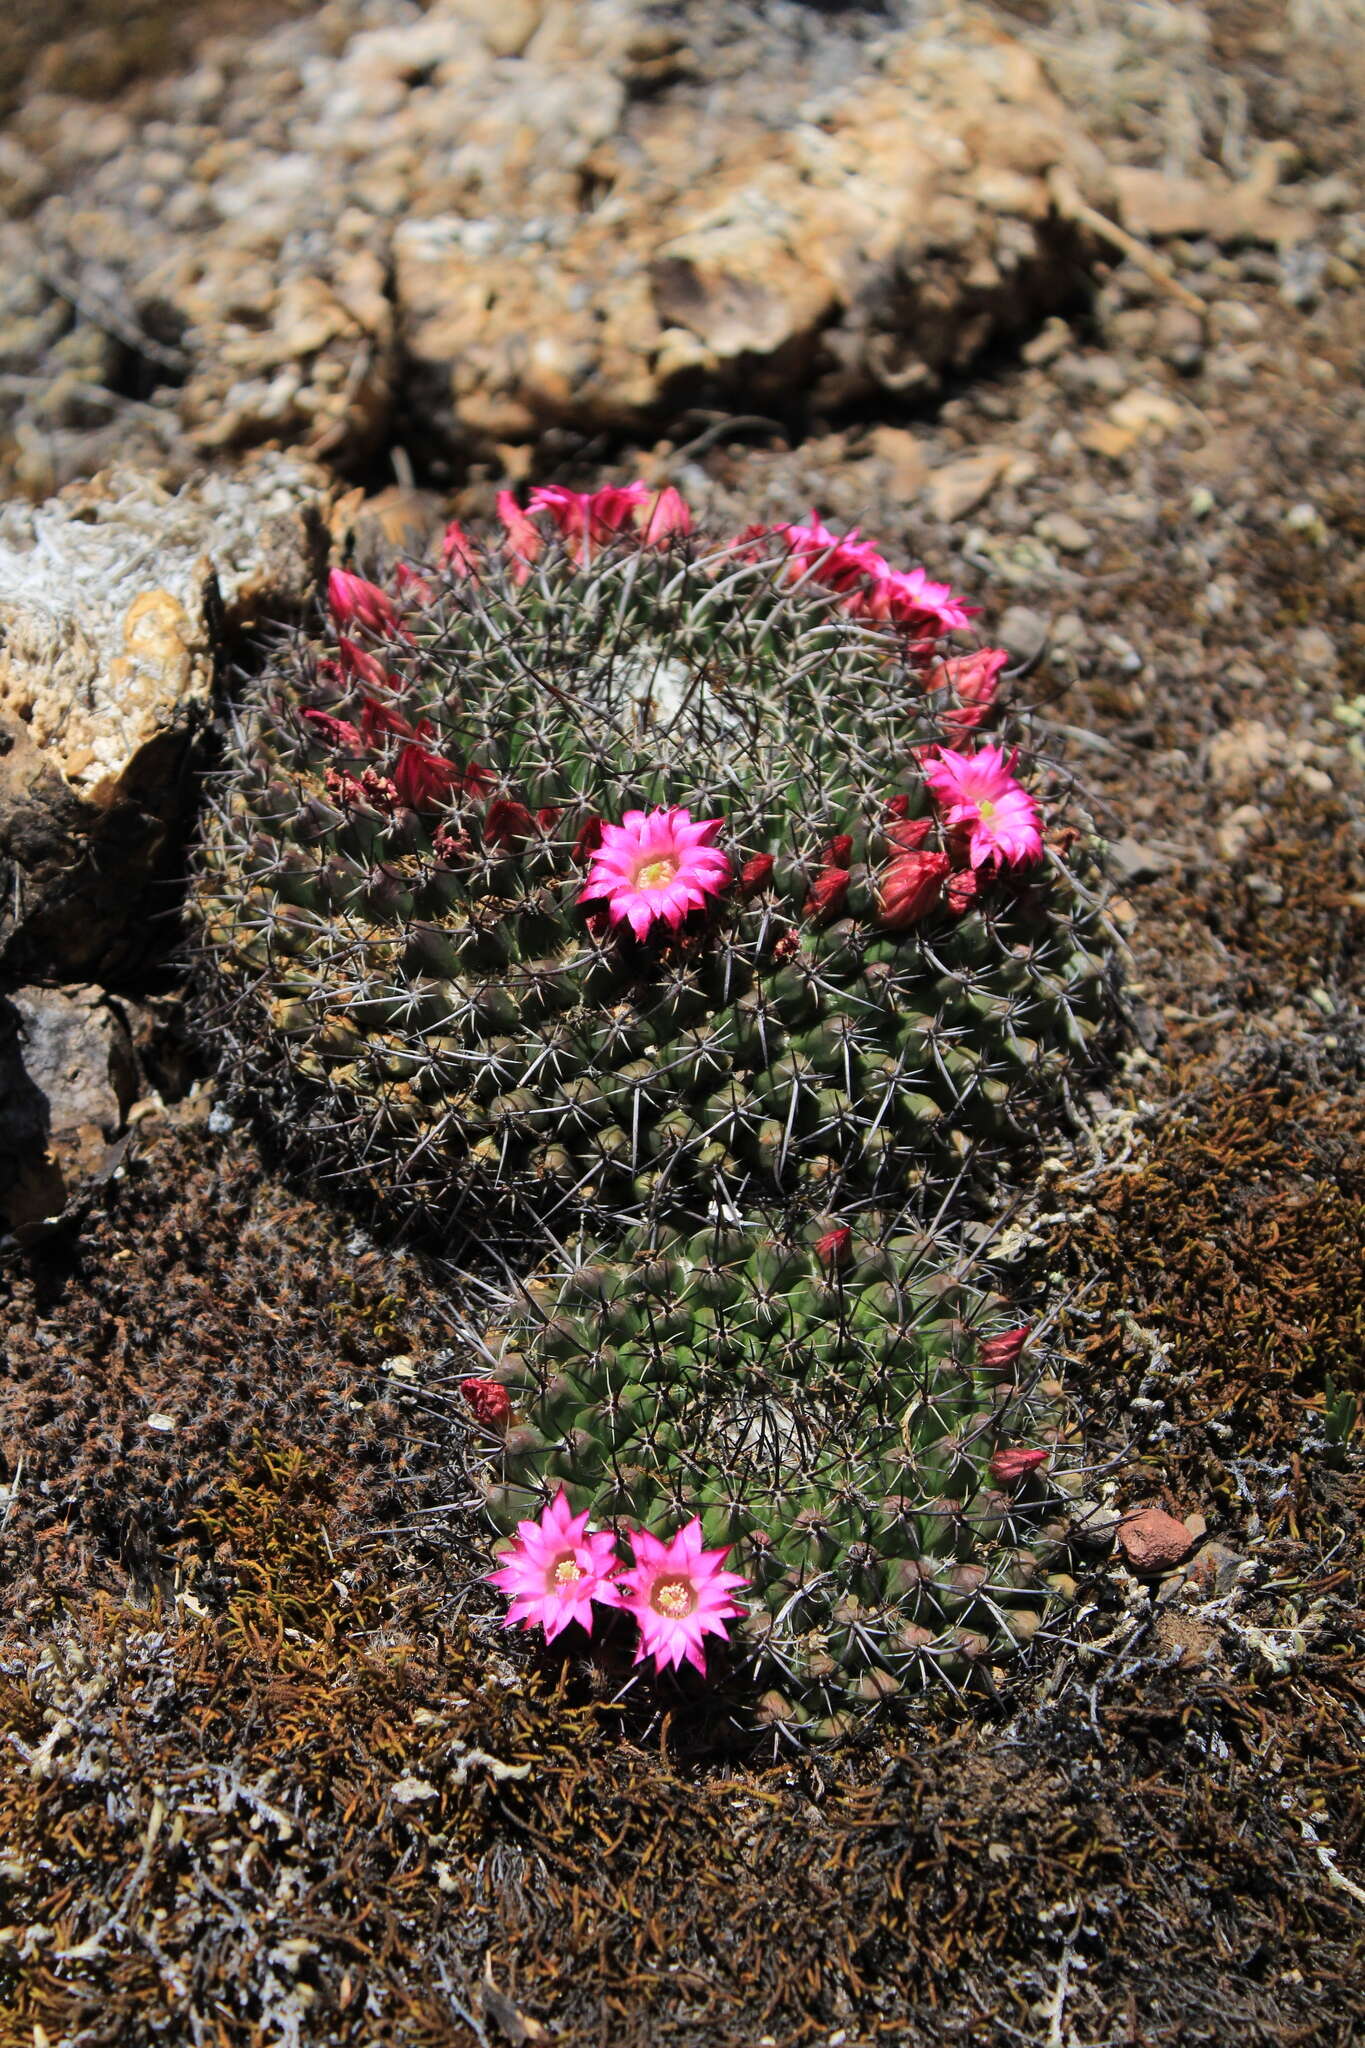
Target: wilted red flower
[(589, 838), (354, 602), (910, 887), (377, 719), (1008, 1467), (1004, 1349), (423, 778), (507, 822), (449, 847), (457, 550), (337, 732), (835, 1248), (490, 1401), (755, 874), (828, 893)]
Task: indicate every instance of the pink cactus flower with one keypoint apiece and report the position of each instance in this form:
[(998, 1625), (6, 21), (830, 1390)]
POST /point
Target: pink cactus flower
[(668, 514), (844, 563), (354, 602), (678, 1594), (974, 679), (458, 552), (588, 519), (909, 598), (524, 538), (656, 868), (978, 794), (555, 1571)]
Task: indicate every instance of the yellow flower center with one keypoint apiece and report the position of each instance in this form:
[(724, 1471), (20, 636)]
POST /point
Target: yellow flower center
[(565, 1573), (656, 874), (985, 807), (673, 1597)]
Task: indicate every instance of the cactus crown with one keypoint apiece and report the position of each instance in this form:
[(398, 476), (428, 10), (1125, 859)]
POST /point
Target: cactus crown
[(392, 882)]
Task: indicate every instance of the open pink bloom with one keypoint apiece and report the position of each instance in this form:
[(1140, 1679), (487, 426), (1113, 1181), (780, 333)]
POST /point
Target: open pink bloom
[(978, 793), (678, 1594), (587, 519), (909, 598), (654, 867), (554, 1571), (355, 602), (844, 562)]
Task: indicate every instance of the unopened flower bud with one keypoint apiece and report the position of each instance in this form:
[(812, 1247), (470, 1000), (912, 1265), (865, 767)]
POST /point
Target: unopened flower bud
[(354, 602), (834, 1249), (1001, 1351), (828, 893), (1008, 1467), (910, 887)]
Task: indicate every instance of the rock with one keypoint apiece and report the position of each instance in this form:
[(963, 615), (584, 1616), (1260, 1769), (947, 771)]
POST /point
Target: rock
[(903, 453), (1215, 1569), (1242, 753), (1023, 631), (958, 487), (1157, 207), (1094, 1525), (114, 601), (1240, 830), (532, 197), (1315, 649), (1052, 340), (1131, 862), (1153, 1541), (1179, 336), (67, 1081), (1064, 532)]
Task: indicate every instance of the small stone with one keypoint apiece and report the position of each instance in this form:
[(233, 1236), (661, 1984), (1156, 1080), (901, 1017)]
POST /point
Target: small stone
[(1130, 861), (1179, 336), (1023, 631), (1314, 649), (1215, 1569), (1153, 1541), (958, 487), (1051, 340), (903, 454), (1064, 532), (1094, 1523), (1240, 830), (1202, 502)]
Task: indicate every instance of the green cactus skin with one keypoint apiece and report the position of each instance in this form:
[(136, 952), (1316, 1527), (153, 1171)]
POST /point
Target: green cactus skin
[(834, 1425), (415, 989)]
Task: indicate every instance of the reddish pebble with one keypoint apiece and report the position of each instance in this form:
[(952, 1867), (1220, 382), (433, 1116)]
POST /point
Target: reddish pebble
[(1153, 1541)]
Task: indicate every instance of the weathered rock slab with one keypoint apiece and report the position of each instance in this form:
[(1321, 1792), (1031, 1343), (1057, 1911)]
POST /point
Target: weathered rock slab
[(114, 602), (68, 1079)]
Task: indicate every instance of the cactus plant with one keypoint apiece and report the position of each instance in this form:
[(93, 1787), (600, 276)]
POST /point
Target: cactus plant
[(392, 886), (634, 890), (830, 1406)]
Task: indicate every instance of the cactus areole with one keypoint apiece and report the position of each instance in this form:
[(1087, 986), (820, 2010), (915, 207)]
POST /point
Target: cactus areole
[(611, 884)]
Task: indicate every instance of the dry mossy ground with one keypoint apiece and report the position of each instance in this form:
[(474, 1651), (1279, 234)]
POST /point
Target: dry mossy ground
[(273, 1774)]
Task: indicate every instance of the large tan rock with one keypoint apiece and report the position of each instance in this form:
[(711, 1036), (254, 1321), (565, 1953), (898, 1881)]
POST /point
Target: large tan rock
[(488, 220), (67, 1081), (114, 602)]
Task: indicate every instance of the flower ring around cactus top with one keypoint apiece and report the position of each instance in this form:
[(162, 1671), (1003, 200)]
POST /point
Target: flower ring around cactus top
[(441, 956)]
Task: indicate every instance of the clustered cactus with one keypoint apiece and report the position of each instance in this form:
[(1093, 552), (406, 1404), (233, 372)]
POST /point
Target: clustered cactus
[(637, 897)]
